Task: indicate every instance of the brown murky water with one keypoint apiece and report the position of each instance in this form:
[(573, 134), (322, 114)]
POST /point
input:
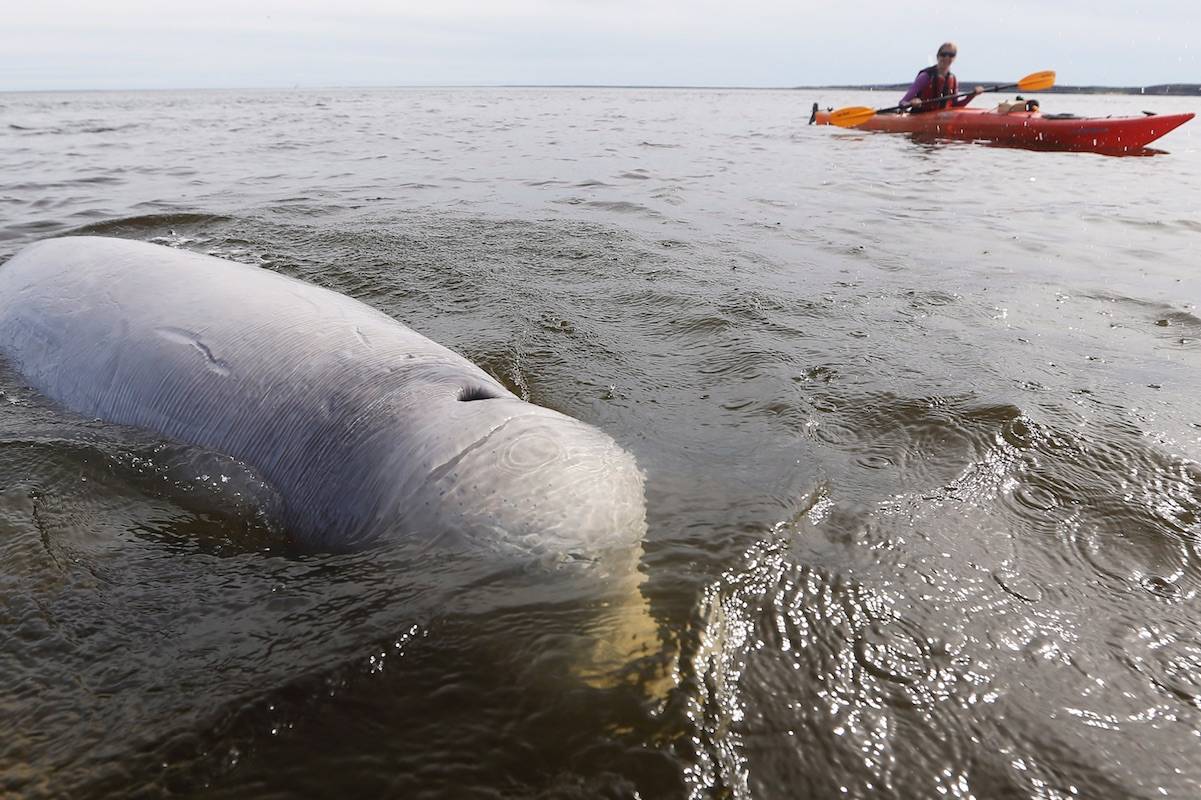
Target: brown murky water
[(920, 424)]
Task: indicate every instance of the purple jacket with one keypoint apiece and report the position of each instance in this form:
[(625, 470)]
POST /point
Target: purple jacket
[(921, 82)]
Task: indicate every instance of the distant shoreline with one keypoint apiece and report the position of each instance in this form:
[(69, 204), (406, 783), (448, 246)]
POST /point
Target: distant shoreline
[(1159, 89)]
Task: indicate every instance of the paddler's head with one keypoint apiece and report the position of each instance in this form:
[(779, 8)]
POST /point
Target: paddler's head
[(946, 55)]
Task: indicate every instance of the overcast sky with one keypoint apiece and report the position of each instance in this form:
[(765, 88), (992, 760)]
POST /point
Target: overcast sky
[(128, 44)]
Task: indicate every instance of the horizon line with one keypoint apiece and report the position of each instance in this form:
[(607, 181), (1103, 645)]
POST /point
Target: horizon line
[(878, 86)]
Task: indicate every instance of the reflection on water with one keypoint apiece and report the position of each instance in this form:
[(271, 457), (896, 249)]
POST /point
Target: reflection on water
[(932, 140), (918, 641), (919, 425)]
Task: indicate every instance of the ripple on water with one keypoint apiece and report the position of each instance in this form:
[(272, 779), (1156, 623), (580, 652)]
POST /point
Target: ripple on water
[(147, 225), (1127, 511), (1170, 324), (1023, 587), (793, 653), (874, 461), (1167, 654), (1017, 432), (617, 206), (913, 443), (891, 652), (1128, 549), (1036, 500)]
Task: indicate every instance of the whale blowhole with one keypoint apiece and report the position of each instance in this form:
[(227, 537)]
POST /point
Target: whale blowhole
[(470, 393)]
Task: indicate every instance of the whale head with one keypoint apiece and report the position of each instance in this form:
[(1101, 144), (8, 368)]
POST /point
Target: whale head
[(483, 467), (541, 482)]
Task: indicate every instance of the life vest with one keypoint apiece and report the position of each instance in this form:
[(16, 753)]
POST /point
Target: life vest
[(937, 87)]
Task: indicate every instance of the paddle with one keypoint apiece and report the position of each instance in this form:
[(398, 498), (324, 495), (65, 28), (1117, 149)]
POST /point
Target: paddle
[(857, 115)]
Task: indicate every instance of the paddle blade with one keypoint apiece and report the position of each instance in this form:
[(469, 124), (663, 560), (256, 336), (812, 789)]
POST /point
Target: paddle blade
[(851, 116), (1037, 81)]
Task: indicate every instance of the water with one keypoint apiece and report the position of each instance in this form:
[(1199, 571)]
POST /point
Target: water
[(920, 424)]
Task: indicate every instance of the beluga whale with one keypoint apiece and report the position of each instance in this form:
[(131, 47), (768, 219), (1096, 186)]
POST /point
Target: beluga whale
[(367, 430)]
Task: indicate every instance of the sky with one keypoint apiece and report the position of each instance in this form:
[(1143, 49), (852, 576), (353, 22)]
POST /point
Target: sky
[(145, 44)]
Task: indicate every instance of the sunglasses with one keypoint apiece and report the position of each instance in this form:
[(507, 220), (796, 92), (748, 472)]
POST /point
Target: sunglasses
[(945, 54)]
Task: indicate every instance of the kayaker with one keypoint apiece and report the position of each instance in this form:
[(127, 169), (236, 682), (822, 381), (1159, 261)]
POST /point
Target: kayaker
[(937, 81)]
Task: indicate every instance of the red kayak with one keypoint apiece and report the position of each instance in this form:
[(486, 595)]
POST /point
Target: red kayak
[(1112, 135)]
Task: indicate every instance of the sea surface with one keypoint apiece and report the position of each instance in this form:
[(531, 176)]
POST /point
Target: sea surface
[(920, 423)]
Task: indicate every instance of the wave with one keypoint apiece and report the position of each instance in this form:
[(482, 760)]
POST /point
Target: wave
[(147, 223)]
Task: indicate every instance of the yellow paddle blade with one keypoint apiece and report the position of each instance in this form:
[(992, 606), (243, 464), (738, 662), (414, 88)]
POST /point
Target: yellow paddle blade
[(851, 116), (1037, 81)]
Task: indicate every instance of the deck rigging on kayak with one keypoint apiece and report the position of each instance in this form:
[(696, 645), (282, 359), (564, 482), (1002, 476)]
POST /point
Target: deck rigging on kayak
[(1020, 125)]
